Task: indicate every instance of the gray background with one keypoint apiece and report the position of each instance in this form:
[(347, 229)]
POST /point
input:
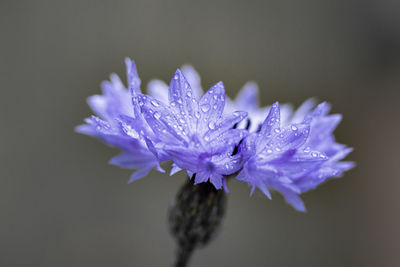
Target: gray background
[(61, 204)]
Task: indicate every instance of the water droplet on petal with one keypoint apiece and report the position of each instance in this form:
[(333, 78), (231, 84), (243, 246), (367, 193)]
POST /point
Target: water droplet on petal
[(314, 154), (205, 107), (277, 130), (294, 128), (211, 125), (154, 103), (157, 115), (189, 94), (197, 114)]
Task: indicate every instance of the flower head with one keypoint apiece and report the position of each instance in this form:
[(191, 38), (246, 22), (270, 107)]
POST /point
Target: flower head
[(212, 137), (296, 156)]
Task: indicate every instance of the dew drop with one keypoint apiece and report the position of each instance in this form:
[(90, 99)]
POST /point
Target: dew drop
[(189, 94), (215, 107), (277, 130), (269, 150), (181, 120), (179, 101), (154, 103), (215, 97), (294, 128), (157, 115), (205, 107), (314, 154), (211, 125), (197, 114)]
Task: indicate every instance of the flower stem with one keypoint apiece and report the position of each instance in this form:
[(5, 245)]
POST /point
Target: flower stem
[(194, 217)]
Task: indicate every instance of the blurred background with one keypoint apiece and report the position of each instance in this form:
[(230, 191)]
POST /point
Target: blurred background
[(61, 204)]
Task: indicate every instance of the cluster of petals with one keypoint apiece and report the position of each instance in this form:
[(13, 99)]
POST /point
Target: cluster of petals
[(212, 137)]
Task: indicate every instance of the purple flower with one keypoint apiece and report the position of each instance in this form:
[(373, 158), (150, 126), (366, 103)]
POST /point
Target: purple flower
[(208, 136), (295, 156), (194, 133)]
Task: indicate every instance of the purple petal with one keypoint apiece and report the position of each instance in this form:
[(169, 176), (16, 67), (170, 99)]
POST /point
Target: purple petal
[(271, 124), (131, 160), (226, 123), (159, 90), (133, 77), (139, 174), (247, 99), (211, 106), (182, 101), (293, 199), (194, 80), (217, 180), (174, 169), (184, 158), (303, 111)]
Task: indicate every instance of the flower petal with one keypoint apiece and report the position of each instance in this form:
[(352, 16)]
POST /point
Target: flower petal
[(133, 77), (194, 80), (248, 96), (182, 102), (159, 90), (211, 106), (270, 124), (139, 174)]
